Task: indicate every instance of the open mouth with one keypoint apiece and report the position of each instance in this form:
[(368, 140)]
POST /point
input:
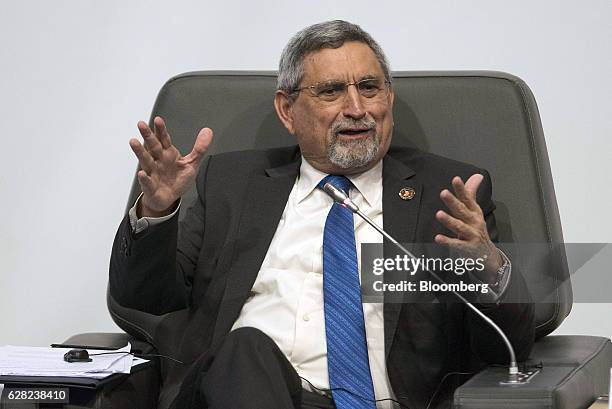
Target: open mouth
[(354, 133)]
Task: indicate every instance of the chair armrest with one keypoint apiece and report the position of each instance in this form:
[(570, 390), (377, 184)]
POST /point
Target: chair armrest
[(575, 371), (108, 340)]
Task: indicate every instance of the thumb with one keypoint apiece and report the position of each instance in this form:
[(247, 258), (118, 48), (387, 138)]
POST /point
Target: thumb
[(473, 183), (203, 141)]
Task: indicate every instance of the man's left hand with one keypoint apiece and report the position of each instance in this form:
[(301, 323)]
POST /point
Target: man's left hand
[(467, 221)]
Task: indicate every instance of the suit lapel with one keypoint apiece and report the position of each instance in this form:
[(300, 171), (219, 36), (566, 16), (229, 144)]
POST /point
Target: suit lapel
[(400, 217), (267, 196)]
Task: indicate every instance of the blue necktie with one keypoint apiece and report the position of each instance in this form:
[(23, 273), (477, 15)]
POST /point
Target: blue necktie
[(347, 352)]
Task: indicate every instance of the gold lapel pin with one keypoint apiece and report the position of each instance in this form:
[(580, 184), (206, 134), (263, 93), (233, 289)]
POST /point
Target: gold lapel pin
[(407, 193)]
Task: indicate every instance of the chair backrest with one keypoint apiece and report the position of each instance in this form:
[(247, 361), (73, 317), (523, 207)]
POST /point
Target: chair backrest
[(489, 119)]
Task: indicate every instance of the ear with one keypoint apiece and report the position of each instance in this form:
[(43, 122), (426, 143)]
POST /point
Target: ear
[(284, 109)]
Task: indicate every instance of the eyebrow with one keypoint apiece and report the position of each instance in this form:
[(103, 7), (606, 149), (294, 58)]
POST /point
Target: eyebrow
[(369, 77), (338, 81)]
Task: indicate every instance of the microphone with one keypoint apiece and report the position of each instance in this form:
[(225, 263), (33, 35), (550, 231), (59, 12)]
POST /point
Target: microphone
[(514, 375)]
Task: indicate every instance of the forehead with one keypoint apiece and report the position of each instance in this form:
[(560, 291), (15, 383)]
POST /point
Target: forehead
[(350, 62)]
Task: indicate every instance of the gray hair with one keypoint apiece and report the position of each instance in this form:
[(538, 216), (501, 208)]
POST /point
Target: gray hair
[(329, 34)]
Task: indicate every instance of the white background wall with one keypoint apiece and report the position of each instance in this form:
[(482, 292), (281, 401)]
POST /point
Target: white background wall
[(77, 75)]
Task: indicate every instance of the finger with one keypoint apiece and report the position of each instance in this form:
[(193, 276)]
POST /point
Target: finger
[(463, 194), (449, 241), (457, 208), (144, 129), (146, 183), (203, 141), (151, 143), (161, 132), (463, 230), (144, 158), (459, 188)]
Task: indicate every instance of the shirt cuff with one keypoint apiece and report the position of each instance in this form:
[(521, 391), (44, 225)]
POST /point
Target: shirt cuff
[(140, 225), (496, 290)]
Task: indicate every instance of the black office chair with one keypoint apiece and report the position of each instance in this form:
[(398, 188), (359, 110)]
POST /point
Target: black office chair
[(489, 119)]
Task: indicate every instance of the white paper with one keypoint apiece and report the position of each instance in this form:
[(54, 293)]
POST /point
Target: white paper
[(46, 361)]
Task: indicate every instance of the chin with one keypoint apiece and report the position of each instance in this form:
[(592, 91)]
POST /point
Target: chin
[(354, 157)]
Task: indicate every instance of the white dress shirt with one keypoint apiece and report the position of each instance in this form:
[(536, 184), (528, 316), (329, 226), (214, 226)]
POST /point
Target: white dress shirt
[(286, 300)]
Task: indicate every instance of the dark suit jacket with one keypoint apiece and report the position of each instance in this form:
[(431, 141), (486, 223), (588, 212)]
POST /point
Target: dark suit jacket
[(205, 268)]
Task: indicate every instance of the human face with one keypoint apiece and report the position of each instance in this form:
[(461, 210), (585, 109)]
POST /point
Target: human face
[(350, 134)]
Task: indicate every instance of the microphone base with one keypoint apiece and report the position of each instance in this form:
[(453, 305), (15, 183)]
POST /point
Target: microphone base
[(554, 387), (520, 378)]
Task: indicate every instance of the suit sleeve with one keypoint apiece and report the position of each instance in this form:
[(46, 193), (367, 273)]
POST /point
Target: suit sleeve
[(513, 312), (153, 271)]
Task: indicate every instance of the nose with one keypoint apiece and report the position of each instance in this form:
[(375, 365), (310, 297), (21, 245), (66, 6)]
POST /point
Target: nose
[(353, 105)]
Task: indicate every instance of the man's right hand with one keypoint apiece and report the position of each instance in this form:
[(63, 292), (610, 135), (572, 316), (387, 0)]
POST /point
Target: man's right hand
[(165, 175)]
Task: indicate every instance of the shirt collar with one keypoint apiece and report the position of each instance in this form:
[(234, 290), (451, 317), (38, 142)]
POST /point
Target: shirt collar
[(368, 183)]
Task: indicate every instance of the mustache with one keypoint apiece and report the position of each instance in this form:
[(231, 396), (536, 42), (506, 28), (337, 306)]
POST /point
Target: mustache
[(349, 124)]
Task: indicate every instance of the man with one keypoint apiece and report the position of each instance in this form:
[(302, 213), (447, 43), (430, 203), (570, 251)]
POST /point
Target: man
[(271, 290)]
